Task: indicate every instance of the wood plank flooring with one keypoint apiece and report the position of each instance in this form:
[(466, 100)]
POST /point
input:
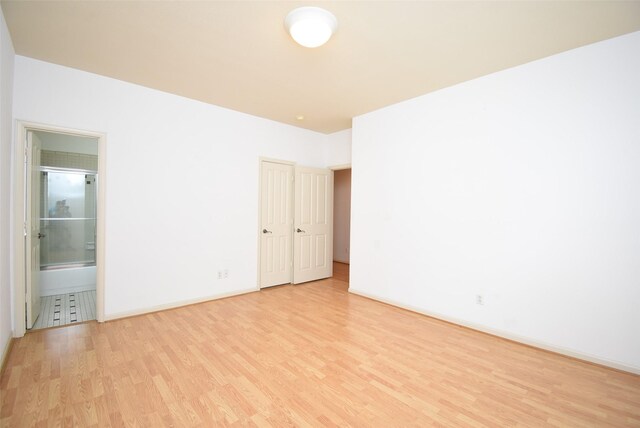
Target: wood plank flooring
[(63, 309), (305, 355), (340, 271)]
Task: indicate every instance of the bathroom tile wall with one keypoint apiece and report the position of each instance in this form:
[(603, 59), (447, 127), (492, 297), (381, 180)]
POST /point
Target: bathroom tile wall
[(69, 160)]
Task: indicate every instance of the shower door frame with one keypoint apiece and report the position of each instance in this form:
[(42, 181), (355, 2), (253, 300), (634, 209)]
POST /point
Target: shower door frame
[(85, 172), (20, 215)]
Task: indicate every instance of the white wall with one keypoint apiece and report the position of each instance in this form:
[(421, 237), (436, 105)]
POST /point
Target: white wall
[(196, 166), (338, 148), (6, 133), (341, 215), (522, 186)]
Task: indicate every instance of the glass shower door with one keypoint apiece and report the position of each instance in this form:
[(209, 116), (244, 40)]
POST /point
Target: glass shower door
[(68, 218)]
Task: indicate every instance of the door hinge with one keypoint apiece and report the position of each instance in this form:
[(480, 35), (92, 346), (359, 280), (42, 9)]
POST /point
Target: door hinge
[(24, 229)]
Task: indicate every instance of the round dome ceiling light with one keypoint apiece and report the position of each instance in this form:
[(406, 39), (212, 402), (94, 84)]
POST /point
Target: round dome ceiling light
[(311, 26)]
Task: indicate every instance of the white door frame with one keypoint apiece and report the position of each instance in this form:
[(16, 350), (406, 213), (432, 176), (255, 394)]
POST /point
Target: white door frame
[(261, 160), (19, 212), (340, 167)]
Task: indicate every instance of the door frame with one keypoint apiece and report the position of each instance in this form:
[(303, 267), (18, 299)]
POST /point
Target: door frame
[(340, 167), (20, 212), (262, 160), (335, 168)]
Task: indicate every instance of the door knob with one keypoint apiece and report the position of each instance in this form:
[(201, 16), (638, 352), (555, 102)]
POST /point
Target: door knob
[(300, 230), (266, 231), (41, 235)]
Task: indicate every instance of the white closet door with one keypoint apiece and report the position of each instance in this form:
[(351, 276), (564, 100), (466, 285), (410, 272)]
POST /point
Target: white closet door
[(313, 224), (276, 224)]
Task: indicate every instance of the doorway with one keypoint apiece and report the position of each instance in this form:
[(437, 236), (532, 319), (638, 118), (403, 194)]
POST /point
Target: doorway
[(59, 280), (342, 223), (65, 205), (295, 224)]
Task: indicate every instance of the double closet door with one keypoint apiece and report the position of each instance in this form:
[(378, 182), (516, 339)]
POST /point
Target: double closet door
[(296, 224)]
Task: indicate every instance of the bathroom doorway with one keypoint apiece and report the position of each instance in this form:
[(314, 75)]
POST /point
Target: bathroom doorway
[(30, 215), (64, 200)]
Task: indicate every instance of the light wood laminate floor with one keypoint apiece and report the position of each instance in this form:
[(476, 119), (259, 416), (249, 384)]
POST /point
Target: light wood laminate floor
[(305, 355), (63, 309)]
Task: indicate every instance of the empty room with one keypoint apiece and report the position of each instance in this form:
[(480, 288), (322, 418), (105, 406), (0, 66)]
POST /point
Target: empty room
[(331, 213)]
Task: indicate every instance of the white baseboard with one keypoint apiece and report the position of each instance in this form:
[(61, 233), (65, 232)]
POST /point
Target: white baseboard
[(505, 335), (173, 305)]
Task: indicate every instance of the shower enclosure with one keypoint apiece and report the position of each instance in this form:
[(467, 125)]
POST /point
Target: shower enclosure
[(67, 218)]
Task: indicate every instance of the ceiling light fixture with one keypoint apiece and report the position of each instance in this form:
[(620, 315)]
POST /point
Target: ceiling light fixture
[(311, 26)]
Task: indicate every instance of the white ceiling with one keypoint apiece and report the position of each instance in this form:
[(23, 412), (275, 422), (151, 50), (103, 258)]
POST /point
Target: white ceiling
[(236, 54)]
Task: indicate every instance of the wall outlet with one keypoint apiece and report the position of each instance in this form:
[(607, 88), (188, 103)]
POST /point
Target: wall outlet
[(479, 299), (219, 274), (225, 273)]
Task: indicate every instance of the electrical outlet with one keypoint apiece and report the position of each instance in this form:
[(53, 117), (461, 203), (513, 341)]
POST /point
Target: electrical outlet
[(479, 299), (225, 273), (219, 274)]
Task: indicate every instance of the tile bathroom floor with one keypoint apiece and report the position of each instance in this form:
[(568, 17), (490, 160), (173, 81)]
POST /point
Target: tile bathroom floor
[(64, 309)]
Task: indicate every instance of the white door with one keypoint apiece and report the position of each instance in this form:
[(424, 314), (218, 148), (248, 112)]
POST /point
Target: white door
[(313, 224), (33, 230), (276, 224)]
